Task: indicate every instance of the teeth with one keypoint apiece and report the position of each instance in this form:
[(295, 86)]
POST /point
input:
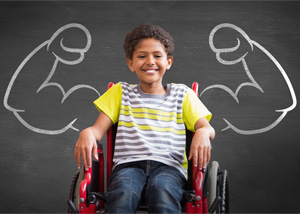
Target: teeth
[(150, 71)]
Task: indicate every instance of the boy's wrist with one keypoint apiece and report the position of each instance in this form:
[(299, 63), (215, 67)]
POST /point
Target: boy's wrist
[(206, 131)]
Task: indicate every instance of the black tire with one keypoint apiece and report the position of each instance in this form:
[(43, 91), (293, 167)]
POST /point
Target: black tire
[(213, 191), (224, 193), (74, 189)]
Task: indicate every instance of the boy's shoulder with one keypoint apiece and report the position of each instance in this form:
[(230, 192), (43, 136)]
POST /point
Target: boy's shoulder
[(127, 85), (179, 87)]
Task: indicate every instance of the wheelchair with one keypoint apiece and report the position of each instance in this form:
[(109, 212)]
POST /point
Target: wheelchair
[(206, 190)]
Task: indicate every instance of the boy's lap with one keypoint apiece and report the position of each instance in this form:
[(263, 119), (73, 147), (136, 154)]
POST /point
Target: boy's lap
[(126, 179)]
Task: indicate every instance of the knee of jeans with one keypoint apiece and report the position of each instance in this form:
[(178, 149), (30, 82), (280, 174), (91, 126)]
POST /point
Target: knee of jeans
[(168, 179), (166, 184), (120, 186), (123, 184)]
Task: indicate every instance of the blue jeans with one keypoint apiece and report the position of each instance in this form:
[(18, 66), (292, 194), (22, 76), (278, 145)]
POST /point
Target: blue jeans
[(161, 186)]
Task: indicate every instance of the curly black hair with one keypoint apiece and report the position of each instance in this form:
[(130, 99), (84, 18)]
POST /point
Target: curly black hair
[(148, 31)]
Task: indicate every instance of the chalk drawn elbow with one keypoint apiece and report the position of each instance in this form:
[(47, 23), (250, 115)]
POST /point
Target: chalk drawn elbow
[(254, 131), (7, 106), (290, 108), (44, 131)]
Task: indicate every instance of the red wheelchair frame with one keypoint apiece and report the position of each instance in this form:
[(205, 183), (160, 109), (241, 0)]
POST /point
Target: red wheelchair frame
[(209, 192)]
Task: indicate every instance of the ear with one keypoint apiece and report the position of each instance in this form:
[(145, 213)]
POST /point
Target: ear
[(129, 63), (170, 61)]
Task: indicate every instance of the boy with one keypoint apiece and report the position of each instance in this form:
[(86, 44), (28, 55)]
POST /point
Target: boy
[(149, 155)]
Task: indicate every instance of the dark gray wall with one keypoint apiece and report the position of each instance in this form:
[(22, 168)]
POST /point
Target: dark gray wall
[(36, 155)]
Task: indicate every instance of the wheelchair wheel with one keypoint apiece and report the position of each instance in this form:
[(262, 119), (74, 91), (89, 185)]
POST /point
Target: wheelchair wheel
[(213, 190), (74, 189), (224, 192)]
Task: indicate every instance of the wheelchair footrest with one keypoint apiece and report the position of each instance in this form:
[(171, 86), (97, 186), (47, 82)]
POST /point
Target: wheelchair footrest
[(96, 196), (189, 196)]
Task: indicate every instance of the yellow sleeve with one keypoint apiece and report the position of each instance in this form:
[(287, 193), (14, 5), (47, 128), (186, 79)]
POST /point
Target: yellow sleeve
[(193, 110), (110, 102)]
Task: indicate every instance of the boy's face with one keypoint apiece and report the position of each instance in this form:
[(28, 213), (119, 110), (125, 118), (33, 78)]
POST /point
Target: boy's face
[(150, 62)]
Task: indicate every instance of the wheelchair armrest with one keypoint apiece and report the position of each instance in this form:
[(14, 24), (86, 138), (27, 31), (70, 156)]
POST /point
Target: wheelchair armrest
[(83, 186)]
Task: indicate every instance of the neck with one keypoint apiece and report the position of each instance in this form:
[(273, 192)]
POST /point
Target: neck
[(158, 90)]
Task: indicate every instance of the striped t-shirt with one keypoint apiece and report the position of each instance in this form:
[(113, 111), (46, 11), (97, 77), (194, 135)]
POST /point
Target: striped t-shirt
[(152, 127)]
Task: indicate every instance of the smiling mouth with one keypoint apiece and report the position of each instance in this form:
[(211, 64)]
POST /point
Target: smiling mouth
[(150, 71)]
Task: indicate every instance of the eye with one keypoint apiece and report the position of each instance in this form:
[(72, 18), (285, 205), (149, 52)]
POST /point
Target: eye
[(158, 56), (141, 56)]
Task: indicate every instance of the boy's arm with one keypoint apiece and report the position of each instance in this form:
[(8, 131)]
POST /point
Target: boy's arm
[(201, 146), (87, 141)]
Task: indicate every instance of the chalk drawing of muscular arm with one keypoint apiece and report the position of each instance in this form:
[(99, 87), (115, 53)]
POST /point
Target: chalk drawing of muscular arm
[(47, 82), (252, 82)]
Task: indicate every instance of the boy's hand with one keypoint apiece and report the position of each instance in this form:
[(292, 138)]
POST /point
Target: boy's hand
[(87, 141), (200, 149), (84, 147)]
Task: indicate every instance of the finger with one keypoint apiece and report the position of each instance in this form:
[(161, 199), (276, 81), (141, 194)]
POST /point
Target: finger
[(208, 155), (95, 152), (77, 158), (191, 155), (194, 156), (84, 160), (88, 159), (204, 162), (200, 158)]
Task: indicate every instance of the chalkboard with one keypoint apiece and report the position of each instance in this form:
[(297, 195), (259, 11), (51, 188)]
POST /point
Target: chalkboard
[(57, 57)]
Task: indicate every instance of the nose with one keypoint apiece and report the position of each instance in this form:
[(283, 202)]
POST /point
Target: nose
[(150, 60)]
